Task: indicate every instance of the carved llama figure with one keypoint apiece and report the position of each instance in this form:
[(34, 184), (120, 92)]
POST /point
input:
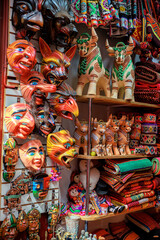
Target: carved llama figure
[(91, 68), (81, 136), (123, 75)]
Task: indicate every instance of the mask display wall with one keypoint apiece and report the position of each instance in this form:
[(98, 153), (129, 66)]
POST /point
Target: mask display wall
[(21, 57), (41, 183), (8, 228), (19, 121), (32, 155), (27, 18)]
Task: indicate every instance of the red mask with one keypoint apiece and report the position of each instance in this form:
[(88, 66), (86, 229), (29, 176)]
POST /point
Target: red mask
[(21, 57), (36, 84), (19, 121)]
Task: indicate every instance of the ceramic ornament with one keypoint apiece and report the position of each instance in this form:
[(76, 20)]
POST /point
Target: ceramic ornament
[(91, 69), (19, 121), (22, 221), (8, 230), (81, 136), (41, 182), (33, 224), (123, 75), (60, 148)]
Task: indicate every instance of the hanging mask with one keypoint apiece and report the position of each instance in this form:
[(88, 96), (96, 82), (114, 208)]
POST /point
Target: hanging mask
[(41, 183), (21, 57), (35, 85), (32, 155), (8, 228), (12, 198), (27, 18), (23, 183), (53, 216), (19, 121), (63, 103), (10, 159), (22, 221), (60, 148), (33, 223), (55, 64)]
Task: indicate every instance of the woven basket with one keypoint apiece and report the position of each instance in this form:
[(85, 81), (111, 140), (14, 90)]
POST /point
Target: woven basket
[(147, 95)]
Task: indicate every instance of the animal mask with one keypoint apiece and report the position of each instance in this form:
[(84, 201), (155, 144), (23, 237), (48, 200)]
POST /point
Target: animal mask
[(8, 228), (21, 57), (22, 221), (36, 84), (33, 223), (41, 185), (55, 64), (19, 121), (60, 148), (27, 18), (63, 102)]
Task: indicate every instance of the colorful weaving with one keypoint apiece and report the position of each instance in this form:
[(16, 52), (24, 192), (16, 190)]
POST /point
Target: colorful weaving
[(156, 182), (148, 139), (150, 150), (156, 165), (149, 128), (149, 118)]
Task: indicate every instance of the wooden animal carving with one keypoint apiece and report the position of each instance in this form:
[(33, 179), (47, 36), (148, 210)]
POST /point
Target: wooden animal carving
[(123, 75), (111, 135), (98, 137), (123, 136), (81, 136), (91, 68)]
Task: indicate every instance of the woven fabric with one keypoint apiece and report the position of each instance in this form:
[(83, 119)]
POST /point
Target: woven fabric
[(156, 165), (148, 139), (149, 128), (156, 182)]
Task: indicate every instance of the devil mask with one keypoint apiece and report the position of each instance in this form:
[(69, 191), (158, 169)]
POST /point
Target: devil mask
[(21, 57), (63, 103), (32, 155), (60, 147), (19, 121), (8, 228), (27, 18), (41, 185)]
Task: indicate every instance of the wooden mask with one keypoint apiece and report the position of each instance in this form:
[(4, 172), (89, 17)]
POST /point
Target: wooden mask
[(41, 182), (22, 221), (33, 223), (19, 121), (8, 228), (12, 198), (23, 183)]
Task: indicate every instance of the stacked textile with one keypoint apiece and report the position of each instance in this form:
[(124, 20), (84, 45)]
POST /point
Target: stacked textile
[(156, 179), (130, 183)]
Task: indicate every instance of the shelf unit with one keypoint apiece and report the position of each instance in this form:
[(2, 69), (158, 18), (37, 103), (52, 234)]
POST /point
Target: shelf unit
[(114, 157)]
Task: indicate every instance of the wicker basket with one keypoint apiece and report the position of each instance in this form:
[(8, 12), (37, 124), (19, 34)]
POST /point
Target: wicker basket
[(147, 95)]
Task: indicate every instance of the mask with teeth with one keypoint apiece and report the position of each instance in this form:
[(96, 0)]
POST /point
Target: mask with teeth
[(41, 185), (60, 148), (21, 57)]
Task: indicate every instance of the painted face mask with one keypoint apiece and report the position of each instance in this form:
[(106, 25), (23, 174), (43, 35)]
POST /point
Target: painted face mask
[(8, 227), (32, 155), (35, 84), (12, 198), (21, 57), (60, 148), (23, 183), (27, 18), (33, 223), (19, 121), (10, 159), (41, 185), (55, 64), (22, 221), (63, 102)]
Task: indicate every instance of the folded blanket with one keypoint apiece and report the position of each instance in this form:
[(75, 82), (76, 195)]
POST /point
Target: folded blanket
[(147, 75), (141, 201), (156, 182), (120, 167), (156, 165)]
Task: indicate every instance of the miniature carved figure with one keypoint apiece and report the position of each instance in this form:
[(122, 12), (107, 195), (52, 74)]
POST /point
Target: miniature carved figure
[(91, 68), (27, 18), (21, 57), (33, 224), (53, 217), (123, 75), (41, 182), (19, 121), (81, 136), (123, 136), (22, 221), (55, 64), (8, 228), (23, 182), (32, 155), (60, 147), (10, 159), (12, 198)]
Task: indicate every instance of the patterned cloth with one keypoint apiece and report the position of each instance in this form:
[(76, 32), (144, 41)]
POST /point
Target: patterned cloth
[(156, 165)]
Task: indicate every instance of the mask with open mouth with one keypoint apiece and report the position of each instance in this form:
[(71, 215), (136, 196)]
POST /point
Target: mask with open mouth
[(21, 57), (41, 184), (8, 228), (60, 148)]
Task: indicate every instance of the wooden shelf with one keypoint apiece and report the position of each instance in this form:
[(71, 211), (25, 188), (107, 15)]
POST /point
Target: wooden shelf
[(114, 157), (111, 101)]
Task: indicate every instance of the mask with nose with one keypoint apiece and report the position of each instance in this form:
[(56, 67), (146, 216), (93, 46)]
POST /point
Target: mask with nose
[(41, 184), (8, 228), (22, 221), (94, 177)]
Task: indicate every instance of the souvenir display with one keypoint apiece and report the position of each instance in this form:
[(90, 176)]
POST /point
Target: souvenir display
[(33, 224), (91, 69), (10, 159), (19, 121), (41, 182), (8, 228), (12, 198), (55, 64), (27, 18), (81, 136), (60, 148), (74, 194), (55, 174), (22, 221), (53, 217), (58, 26), (63, 102), (123, 76), (32, 155), (23, 183), (35, 85), (21, 56)]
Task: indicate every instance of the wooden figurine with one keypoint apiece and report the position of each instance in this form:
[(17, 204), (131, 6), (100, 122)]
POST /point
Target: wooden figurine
[(111, 135), (123, 75), (123, 136), (91, 68), (81, 136)]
